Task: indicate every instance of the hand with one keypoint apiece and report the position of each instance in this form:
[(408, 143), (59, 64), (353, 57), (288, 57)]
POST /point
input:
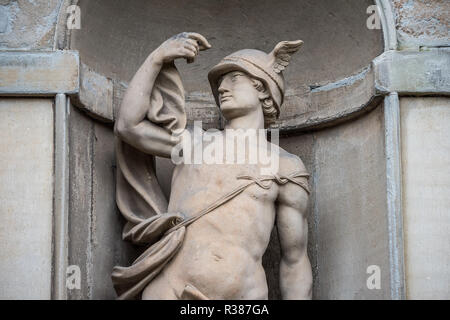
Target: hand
[(184, 45)]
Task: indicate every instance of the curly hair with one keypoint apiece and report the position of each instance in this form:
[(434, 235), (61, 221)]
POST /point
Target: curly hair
[(269, 109)]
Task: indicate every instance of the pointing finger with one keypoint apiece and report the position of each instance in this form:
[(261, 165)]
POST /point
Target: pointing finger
[(203, 43), (193, 43)]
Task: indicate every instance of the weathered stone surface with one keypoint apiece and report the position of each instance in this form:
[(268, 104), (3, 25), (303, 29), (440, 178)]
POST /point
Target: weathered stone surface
[(387, 21), (61, 197), (95, 95), (392, 142), (413, 72), (350, 209), (95, 225), (115, 38), (426, 201), (201, 107), (303, 109), (26, 198), (108, 248), (80, 202), (329, 104), (28, 25), (119, 57), (347, 220), (4, 19), (422, 23), (39, 73)]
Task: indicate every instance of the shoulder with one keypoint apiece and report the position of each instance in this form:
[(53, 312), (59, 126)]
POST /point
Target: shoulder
[(290, 163), (293, 194)]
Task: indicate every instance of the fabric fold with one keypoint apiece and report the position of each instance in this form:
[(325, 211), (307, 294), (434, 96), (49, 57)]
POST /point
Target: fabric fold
[(139, 196), (130, 281)]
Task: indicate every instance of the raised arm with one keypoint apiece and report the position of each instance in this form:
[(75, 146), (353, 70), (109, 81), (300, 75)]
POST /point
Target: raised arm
[(132, 124), (295, 268)]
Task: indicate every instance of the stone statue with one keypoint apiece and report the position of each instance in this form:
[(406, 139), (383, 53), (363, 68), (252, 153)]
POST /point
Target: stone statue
[(207, 242)]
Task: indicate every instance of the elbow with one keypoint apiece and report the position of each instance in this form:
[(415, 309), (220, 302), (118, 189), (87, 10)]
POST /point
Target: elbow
[(121, 129), (118, 129)]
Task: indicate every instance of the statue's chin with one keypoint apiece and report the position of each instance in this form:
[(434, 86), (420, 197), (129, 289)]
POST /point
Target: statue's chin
[(229, 110)]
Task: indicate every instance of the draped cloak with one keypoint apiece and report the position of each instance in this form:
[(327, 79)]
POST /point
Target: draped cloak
[(142, 203), (139, 196)]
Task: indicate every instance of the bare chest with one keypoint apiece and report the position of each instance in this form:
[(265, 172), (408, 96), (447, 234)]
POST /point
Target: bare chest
[(194, 187)]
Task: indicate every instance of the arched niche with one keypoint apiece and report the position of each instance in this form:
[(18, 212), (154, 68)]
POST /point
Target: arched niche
[(331, 117), (116, 36)]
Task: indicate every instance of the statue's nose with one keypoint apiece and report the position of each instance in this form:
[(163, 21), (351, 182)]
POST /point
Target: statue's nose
[(222, 88)]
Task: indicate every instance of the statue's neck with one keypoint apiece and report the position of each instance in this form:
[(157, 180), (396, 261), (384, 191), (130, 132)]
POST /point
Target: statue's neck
[(252, 120)]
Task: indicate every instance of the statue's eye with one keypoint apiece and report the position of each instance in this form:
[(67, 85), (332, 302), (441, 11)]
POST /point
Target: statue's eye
[(235, 76)]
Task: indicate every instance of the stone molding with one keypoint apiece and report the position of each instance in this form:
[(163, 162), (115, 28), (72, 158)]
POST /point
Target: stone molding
[(39, 73), (413, 72), (405, 72)]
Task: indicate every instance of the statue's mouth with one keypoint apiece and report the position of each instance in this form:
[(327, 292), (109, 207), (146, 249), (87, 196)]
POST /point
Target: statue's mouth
[(225, 98)]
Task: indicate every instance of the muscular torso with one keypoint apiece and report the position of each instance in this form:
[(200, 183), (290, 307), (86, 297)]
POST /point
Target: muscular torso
[(222, 251)]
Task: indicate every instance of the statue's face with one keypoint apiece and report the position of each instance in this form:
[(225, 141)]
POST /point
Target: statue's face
[(237, 95)]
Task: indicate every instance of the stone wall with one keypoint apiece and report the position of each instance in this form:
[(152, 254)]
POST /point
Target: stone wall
[(26, 198), (95, 225), (117, 36), (347, 217), (426, 200), (422, 23), (28, 25), (379, 171)]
